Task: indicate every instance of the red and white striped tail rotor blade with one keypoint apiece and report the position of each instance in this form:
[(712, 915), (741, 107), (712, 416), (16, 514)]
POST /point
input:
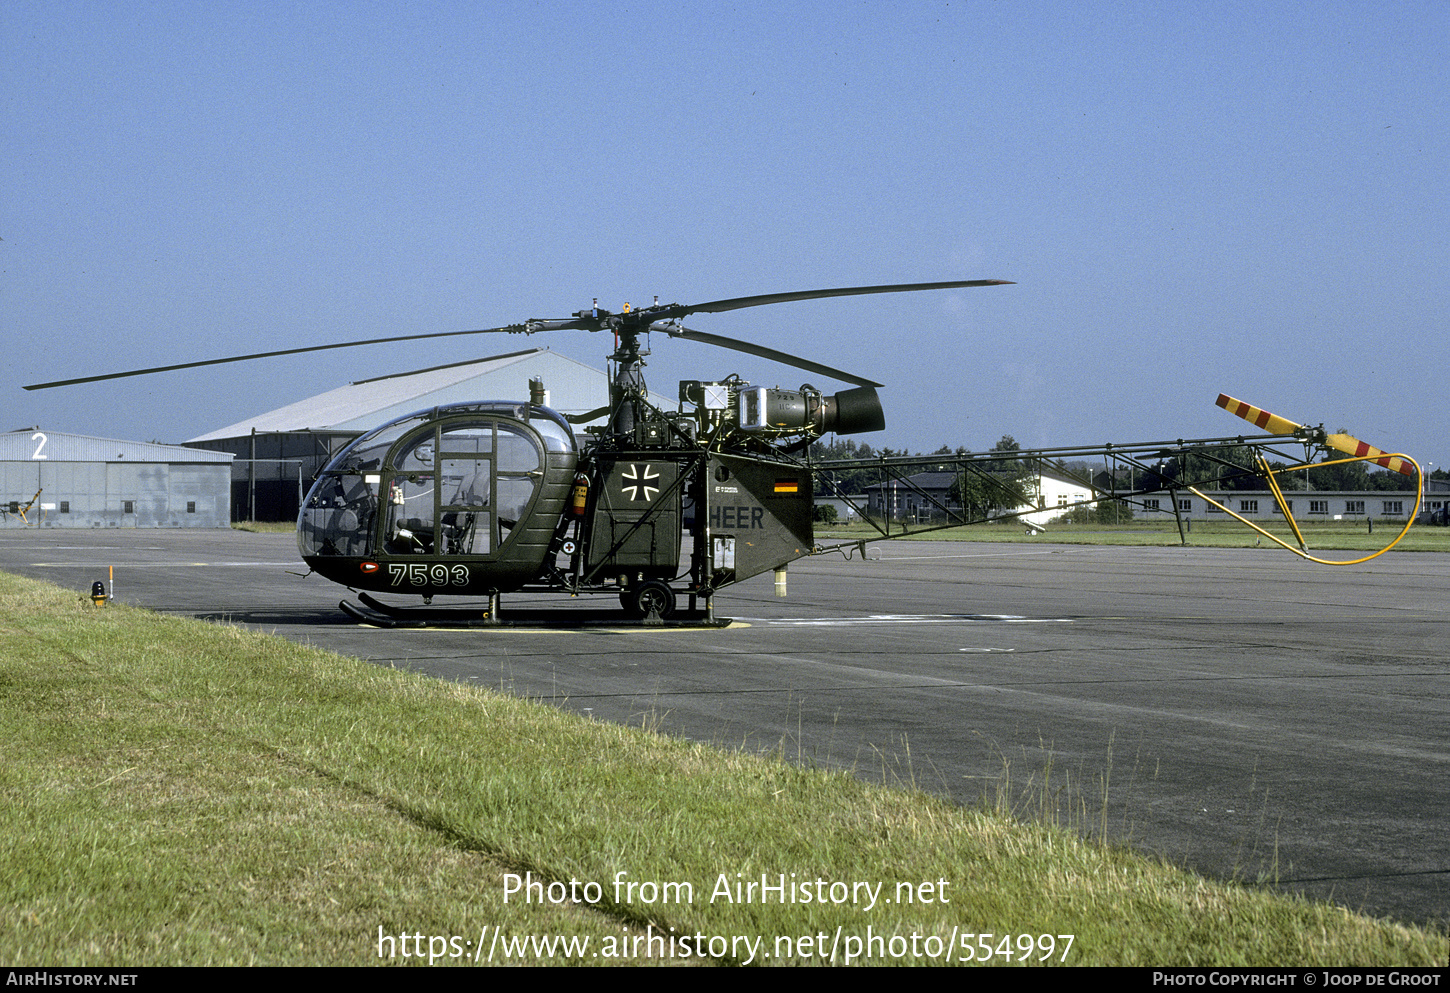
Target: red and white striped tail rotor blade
[(1353, 446), (1257, 416), (1274, 424)]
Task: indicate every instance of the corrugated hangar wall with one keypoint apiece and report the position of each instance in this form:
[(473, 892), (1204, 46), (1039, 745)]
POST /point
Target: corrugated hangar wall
[(54, 479)]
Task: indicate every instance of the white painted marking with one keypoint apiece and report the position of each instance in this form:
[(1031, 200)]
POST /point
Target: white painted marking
[(978, 555), (912, 619)]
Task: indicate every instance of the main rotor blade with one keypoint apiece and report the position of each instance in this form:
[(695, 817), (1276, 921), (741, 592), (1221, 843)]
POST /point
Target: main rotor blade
[(765, 353), (590, 323), (515, 328), (736, 303)]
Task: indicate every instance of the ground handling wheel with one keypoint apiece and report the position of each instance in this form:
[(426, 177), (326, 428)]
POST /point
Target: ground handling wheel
[(651, 597)]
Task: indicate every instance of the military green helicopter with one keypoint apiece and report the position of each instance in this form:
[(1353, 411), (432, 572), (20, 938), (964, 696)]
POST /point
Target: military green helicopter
[(476, 500), (481, 499)]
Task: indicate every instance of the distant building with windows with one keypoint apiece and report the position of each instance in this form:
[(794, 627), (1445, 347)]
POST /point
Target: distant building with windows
[(926, 496), (1303, 504)]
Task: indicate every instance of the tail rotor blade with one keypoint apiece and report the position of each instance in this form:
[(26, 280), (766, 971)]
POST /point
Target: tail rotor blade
[(1353, 446), (1257, 416), (1274, 424)]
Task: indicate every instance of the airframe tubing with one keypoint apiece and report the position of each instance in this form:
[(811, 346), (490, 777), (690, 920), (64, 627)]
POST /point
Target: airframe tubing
[(1283, 507), (1279, 499)]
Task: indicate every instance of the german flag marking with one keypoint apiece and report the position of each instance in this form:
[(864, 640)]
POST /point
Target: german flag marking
[(787, 486)]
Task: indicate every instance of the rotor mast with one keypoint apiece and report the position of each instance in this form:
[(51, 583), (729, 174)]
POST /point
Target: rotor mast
[(627, 388)]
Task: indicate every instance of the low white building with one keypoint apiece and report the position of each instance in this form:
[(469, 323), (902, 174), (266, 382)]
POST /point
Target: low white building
[(1304, 505)]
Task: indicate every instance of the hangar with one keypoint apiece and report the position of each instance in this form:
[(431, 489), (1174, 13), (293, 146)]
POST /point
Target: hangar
[(277, 454), (54, 479)]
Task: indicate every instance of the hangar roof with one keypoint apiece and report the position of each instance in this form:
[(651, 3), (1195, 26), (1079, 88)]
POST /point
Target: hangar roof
[(573, 386), (37, 444)]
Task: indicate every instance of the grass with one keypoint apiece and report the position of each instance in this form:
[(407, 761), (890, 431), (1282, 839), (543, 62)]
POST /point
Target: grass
[(177, 792), (265, 527)]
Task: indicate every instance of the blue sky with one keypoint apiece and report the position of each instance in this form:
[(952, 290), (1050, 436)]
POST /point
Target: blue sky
[(1192, 198)]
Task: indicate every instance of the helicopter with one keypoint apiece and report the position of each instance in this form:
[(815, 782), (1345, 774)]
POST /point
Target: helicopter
[(475, 500)]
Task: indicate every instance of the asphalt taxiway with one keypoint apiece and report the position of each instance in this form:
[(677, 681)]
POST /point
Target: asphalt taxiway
[(1239, 712)]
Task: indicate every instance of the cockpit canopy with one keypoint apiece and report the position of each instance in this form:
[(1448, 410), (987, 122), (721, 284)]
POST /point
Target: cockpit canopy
[(448, 481)]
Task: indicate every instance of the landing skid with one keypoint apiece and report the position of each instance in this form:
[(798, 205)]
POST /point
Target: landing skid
[(382, 615), (385, 615)]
